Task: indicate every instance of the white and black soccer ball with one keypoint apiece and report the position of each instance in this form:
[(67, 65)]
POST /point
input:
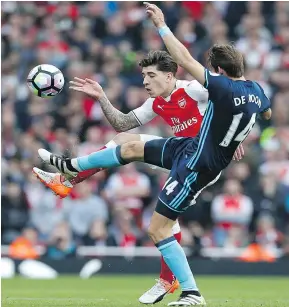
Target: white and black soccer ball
[(45, 81)]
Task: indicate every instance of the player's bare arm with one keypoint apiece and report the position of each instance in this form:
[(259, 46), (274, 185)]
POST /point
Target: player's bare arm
[(119, 121), (177, 50)]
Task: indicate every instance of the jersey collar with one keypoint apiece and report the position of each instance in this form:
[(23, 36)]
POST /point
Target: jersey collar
[(168, 98)]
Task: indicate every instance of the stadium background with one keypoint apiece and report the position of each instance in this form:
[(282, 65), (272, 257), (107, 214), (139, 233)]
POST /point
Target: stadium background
[(105, 41)]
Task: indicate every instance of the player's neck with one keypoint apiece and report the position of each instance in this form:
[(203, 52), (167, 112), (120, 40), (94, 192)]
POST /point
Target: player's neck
[(236, 79), (222, 72), (171, 88)]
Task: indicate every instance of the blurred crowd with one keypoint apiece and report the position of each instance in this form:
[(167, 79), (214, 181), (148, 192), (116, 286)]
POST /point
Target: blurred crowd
[(105, 41)]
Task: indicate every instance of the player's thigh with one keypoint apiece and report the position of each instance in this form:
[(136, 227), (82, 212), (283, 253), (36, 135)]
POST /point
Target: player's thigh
[(148, 137), (124, 137), (157, 151), (182, 189), (174, 196)]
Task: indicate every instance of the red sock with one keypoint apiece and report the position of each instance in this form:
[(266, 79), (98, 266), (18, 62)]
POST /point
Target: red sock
[(86, 174), (166, 273)]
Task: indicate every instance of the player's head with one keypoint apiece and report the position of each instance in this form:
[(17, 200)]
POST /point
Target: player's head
[(225, 59), (158, 70)]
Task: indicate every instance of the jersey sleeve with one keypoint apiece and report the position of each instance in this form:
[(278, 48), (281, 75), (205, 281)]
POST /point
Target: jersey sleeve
[(265, 101), (145, 112), (197, 92), (217, 86)]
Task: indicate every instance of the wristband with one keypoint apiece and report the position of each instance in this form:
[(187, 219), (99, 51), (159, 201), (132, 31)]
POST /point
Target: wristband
[(164, 31)]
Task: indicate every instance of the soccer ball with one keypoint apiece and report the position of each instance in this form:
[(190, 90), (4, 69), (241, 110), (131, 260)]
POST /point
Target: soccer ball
[(45, 81)]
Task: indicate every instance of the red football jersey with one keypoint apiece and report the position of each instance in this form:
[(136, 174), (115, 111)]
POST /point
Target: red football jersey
[(183, 110)]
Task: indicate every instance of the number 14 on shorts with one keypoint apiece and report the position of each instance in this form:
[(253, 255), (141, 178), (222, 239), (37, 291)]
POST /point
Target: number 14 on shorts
[(169, 187)]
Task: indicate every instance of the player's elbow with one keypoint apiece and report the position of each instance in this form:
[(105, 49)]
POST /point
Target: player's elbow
[(181, 62), (122, 126), (120, 129), (267, 115)]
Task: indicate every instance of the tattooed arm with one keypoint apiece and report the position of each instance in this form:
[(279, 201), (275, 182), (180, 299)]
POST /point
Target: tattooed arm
[(123, 122), (119, 121)]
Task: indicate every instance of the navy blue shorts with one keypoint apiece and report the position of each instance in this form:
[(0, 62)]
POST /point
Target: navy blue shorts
[(183, 185)]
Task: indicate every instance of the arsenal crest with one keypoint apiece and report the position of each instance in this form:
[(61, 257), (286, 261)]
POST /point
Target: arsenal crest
[(182, 102)]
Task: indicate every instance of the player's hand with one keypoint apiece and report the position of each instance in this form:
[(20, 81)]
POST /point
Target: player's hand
[(239, 153), (87, 86), (155, 14)]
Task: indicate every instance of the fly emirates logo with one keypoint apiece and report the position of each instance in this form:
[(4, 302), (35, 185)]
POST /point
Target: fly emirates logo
[(180, 126)]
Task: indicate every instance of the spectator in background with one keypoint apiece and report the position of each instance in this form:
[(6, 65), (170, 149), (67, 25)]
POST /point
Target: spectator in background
[(14, 215), (25, 246), (84, 210), (270, 199), (263, 247), (104, 41), (45, 210), (62, 142), (231, 214), (123, 231), (267, 234), (61, 245), (256, 42), (241, 171), (127, 188), (94, 141), (171, 9), (276, 161), (97, 235)]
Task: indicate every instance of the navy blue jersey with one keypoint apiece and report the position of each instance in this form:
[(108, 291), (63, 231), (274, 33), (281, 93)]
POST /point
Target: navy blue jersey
[(231, 114)]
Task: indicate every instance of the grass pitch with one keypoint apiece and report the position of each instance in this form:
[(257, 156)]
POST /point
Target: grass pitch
[(123, 291)]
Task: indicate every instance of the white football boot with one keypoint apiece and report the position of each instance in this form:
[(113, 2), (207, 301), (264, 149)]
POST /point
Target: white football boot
[(157, 292), (61, 163), (189, 300)]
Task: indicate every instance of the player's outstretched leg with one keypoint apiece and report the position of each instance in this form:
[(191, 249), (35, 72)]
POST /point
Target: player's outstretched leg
[(133, 150), (107, 158), (62, 186)]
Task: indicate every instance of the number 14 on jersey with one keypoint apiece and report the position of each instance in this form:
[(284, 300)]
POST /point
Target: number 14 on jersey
[(233, 128), (170, 187)]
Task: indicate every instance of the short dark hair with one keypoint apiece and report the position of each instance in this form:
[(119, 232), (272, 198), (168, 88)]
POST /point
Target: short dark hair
[(162, 60), (227, 57)]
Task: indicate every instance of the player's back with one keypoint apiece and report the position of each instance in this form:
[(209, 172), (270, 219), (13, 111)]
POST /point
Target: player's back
[(230, 116)]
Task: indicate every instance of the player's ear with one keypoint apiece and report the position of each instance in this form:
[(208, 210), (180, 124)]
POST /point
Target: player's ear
[(220, 71), (169, 76)]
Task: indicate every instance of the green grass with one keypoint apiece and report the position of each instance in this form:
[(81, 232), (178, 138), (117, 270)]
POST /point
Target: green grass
[(122, 291)]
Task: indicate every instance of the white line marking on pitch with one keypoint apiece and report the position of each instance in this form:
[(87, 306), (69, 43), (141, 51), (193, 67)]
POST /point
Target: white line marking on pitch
[(55, 298)]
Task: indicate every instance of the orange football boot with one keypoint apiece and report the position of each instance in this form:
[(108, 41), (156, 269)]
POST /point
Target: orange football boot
[(175, 286), (54, 182)]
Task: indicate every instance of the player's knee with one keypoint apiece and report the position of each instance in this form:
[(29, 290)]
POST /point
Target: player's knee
[(157, 233), (123, 137), (153, 233), (176, 228), (132, 151)]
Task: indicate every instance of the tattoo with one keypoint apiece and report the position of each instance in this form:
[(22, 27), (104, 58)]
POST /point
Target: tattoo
[(119, 121)]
